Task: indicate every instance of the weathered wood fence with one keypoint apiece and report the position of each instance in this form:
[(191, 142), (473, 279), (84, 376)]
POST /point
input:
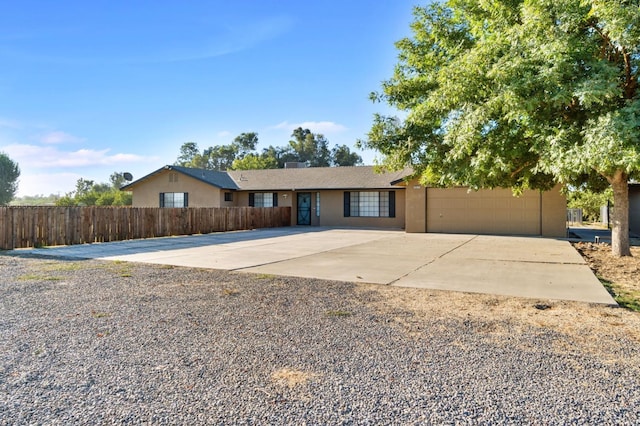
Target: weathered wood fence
[(22, 227)]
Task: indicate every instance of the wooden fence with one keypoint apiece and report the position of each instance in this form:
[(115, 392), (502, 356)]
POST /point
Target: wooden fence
[(22, 227)]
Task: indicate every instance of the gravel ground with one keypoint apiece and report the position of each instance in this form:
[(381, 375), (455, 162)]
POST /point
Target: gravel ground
[(91, 342)]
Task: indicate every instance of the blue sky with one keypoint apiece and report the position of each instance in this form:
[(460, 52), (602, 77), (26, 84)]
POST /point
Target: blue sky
[(89, 88)]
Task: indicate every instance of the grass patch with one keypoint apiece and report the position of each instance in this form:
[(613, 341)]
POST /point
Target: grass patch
[(34, 277), (624, 298), (265, 276), (230, 292), (338, 313), (63, 267), (96, 314)]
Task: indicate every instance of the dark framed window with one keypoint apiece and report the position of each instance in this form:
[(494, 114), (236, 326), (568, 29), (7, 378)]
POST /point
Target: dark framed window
[(370, 204), (174, 199), (263, 199), (228, 196)]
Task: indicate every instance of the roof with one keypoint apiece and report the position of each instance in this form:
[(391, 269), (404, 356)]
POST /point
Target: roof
[(311, 178), (212, 177)]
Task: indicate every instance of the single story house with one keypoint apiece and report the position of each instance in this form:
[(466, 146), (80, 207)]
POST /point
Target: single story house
[(357, 197)]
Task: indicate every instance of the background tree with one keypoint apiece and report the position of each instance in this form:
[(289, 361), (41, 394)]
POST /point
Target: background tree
[(520, 94), (254, 161), (245, 143), (188, 153), (341, 155), (304, 147), (589, 201), (9, 174), (310, 148), (117, 180), (35, 200), (90, 193)]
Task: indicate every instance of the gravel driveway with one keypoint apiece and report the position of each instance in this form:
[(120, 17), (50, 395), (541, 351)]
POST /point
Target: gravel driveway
[(94, 342)]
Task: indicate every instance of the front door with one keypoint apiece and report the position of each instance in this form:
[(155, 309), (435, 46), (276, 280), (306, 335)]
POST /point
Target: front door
[(304, 208)]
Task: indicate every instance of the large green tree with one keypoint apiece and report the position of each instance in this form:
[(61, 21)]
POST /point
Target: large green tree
[(521, 94), (304, 147), (311, 148), (9, 174)]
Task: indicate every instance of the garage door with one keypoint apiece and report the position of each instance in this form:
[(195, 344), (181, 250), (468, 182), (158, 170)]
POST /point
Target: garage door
[(495, 211)]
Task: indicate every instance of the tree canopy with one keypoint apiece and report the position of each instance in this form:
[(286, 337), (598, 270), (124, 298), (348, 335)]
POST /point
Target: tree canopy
[(90, 193), (9, 174), (518, 93), (241, 154)]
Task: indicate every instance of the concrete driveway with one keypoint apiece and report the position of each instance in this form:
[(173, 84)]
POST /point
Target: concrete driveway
[(511, 266)]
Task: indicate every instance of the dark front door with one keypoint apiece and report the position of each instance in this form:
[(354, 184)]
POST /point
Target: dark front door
[(304, 208)]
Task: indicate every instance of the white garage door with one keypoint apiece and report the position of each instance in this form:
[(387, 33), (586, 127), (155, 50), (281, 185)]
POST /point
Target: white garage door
[(495, 211)]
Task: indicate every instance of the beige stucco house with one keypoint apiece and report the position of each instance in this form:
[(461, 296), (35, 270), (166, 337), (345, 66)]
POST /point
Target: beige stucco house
[(357, 197)]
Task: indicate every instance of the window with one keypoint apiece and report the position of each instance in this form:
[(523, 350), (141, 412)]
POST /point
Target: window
[(263, 199), (228, 196), (370, 204), (318, 204), (174, 199)]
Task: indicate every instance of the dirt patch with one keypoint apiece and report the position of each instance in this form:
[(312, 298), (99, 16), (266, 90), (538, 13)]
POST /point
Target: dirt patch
[(291, 377), (621, 275), (582, 327)]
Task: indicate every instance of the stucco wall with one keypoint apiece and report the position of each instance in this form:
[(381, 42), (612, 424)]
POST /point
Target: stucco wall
[(554, 213), (146, 193), (332, 212), (416, 207)]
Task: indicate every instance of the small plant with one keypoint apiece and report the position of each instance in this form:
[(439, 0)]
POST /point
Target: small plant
[(230, 292), (265, 276), (338, 313), (96, 314)]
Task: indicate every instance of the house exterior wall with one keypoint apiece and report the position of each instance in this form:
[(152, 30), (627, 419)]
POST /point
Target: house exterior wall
[(416, 207), (332, 212), (634, 209), (486, 211), (554, 213), (147, 193)]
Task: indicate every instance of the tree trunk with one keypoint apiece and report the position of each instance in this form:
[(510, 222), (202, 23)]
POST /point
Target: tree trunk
[(620, 231)]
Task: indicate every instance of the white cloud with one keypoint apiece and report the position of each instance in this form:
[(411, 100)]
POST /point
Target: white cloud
[(323, 127), (57, 137), (223, 134), (51, 157)]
